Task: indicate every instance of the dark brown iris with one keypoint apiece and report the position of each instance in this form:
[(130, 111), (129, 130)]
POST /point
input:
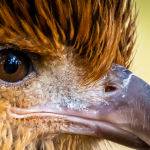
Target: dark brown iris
[(14, 65)]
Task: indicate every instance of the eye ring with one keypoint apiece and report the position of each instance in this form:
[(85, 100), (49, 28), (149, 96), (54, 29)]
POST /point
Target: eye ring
[(15, 65)]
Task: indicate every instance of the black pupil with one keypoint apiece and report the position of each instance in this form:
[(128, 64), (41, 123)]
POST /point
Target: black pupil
[(11, 63)]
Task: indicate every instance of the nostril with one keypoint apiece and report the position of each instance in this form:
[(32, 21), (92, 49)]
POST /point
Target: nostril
[(110, 88)]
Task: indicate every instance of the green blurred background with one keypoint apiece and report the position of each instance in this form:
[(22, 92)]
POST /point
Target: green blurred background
[(141, 63)]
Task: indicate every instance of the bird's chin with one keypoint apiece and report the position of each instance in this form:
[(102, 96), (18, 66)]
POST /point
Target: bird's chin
[(80, 123)]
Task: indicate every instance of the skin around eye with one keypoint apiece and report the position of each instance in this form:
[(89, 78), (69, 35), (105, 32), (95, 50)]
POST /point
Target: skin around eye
[(14, 65)]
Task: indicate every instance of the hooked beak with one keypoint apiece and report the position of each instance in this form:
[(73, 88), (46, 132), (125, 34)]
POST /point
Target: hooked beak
[(125, 119)]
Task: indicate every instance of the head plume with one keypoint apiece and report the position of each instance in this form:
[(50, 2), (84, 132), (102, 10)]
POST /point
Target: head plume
[(99, 31)]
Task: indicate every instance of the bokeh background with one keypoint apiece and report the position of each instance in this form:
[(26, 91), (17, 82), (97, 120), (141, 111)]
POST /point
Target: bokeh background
[(141, 63)]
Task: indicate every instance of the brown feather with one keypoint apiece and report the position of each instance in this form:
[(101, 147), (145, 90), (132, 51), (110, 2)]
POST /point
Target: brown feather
[(101, 32)]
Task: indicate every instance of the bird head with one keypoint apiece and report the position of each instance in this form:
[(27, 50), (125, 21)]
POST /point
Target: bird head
[(64, 70)]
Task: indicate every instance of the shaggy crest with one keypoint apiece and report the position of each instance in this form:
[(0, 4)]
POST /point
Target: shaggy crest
[(99, 31)]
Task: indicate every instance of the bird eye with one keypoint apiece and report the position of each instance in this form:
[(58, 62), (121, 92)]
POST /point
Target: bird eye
[(14, 65)]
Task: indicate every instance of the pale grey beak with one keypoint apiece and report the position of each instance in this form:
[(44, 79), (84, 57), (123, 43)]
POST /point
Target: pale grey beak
[(125, 119)]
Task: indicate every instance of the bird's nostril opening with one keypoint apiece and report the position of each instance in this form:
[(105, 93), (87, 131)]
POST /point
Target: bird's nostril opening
[(110, 88)]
